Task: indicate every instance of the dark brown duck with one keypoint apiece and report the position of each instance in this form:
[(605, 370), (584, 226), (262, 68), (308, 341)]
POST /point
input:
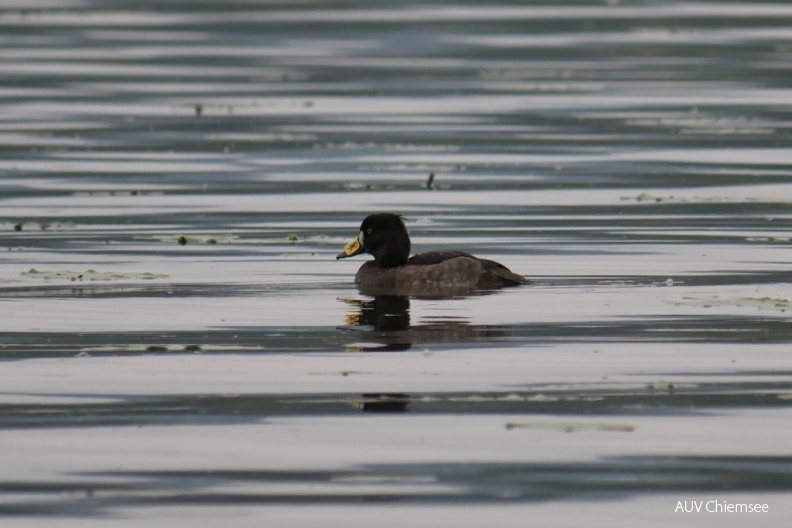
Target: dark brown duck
[(385, 237)]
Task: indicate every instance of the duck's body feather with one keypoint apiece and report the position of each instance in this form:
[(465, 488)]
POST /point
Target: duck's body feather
[(385, 237)]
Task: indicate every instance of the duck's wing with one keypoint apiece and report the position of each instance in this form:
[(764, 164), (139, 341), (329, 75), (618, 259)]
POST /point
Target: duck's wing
[(493, 274), (436, 257)]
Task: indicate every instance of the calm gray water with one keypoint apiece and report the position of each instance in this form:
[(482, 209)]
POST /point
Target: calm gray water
[(180, 347)]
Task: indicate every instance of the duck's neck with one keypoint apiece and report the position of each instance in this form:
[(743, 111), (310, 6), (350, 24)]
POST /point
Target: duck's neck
[(391, 257)]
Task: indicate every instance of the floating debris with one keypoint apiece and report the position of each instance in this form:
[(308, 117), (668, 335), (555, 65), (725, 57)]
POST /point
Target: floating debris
[(760, 303), (117, 193), (198, 239), (343, 373), (779, 239), (44, 226), (646, 197), (173, 348), (89, 275), (271, 137), (571, 427), (664, 386), (507, 398)]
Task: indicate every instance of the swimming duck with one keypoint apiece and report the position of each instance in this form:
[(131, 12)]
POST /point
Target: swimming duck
[(384, 236)]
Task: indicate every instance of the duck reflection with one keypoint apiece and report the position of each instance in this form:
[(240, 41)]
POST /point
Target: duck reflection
[(384, 312), (382, 403), (383, 323)]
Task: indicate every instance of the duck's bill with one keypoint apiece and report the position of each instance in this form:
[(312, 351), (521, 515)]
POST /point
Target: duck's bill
[(350, 250)]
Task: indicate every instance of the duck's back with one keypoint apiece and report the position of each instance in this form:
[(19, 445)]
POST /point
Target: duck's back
[(440, 269), (490, 275)]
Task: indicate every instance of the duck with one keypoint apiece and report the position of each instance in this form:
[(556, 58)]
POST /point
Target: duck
[(385, 237)]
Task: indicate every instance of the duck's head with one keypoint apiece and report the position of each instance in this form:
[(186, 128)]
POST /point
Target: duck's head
[(384, 236)]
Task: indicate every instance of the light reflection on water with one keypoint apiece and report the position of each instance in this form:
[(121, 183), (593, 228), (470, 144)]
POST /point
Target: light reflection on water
[(176, 182)]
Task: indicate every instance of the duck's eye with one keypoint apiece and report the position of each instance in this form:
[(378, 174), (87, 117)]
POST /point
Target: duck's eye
[(369, 231)]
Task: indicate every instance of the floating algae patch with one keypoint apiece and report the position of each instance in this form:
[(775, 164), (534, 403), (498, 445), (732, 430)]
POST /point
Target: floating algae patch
[(201, 239), (164, 349), (90, 275), (504, 398), (646, 197), (769, 239), (30, 225), (760, 303), (571, 427), (184, 240), (281, 137)]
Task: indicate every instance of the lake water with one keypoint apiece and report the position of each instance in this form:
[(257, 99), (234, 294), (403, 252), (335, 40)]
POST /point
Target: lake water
[(180, 347)]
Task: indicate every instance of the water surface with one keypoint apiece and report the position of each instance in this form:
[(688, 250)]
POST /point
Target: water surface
[(180, 346)]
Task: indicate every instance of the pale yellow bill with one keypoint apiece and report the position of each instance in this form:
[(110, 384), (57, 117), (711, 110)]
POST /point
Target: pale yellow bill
[(351, 249)]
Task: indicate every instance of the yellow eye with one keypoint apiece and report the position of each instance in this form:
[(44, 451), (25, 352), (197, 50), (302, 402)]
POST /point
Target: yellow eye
[(369, 231)]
